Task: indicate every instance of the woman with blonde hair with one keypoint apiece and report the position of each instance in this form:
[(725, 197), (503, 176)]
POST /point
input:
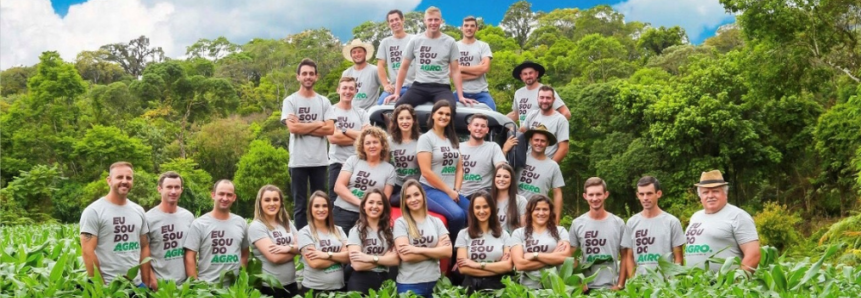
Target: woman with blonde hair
[(322, 244), (273, 239)]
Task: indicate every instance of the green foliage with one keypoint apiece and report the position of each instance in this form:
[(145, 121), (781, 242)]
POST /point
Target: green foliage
[(104, 145), (262, 164), (196, 184), (847, 231), (27, 199), (777, 226), (218, 146), (143, 191)]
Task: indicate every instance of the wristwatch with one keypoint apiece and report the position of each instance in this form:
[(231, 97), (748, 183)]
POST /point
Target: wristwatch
[(483, 263), (343, 130), (376, 259), (330, 255), (534, 255)]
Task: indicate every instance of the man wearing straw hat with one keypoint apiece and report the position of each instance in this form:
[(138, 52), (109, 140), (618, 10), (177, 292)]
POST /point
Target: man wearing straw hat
[(541, 174), (367, 81), (720, 229)]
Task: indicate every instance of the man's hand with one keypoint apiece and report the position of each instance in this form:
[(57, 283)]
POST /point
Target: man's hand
[(292, 118), (392, 98), (468, 101), (453, 195), (509, 144), (152, 283), (389, 88)]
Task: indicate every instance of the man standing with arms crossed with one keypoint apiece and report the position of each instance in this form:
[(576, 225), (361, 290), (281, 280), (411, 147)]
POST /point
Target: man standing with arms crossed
[(652, 233), (350, 121), (366, 75), (599, 235), (552, 120), (169, 226), (114, 229), (526, 98), (540, 173), (475, 56), (720, 229), (306, 115), (390, 56), (437, 57), (216, 240), (480, 158)]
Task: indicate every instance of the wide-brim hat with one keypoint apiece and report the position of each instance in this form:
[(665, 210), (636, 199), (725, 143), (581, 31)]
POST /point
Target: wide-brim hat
[(551, 138), (711, 179), (527, 64), (357, 43)]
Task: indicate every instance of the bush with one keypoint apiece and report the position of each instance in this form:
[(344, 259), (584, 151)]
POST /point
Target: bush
[(263, 164), (848, 231), (776, 226)]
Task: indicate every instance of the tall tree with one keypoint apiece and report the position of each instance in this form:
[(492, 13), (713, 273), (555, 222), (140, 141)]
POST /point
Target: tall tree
[(134, 56), (655, 40), (518, 21), (95, 66), (211, 49)]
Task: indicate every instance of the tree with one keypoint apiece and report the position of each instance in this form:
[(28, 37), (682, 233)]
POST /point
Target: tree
[(518, 21), (27, 199), (562, 19), (600, 58), (262, 164), (655, 40), (838, 140), (495, 38), (218, 146), (211, 49), (134, 56), (14, 80), (727, 38), (95, 66), (103, 145)]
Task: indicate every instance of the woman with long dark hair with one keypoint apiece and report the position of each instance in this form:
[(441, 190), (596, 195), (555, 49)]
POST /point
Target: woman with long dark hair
[(273, 239), (421, 241), (403, 134), (483, 246), (539, 244), (371, 244), (365, 171), (510, 206), (322, 244)]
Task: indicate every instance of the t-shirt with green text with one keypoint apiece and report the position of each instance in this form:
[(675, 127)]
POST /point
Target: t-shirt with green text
[(539, 177), (119, 229), (167, 233), (720, 234), (471, 55), (218, 243), (354, 119), (364, 178), (444, 157), (537, 242), (331, 278), (307, 150), (391, 50), (372, 245), (404, 160), (368, 83), (432, 56), (485, 248), (431, 231), (285, 273), (652, 238), (479, 162), (599, 240)]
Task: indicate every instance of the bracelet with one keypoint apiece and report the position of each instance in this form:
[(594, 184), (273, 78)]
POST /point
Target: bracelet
[(483, 263)]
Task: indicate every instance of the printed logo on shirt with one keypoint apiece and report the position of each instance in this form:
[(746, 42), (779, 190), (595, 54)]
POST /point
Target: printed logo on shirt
[(395, 57), (478, 251), (523, 108), (592, 247), (423, 241), (448, 160), (526, 178), (305, 115), (402, 163), (532, 246), (359, 95), (465, 59), (121, 236), (361, 184), (643, 242), (344, 122), (693, 231), (467, 167), (171, 239), (372, 246), (326, 246), (425, 58), (281, 239), (219, 248)]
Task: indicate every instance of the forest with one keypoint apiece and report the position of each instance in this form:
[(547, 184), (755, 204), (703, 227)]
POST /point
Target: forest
[(772, 100)]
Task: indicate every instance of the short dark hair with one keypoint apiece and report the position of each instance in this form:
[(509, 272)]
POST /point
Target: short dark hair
[(171, 175), (306, 62), (647, 180), (395, 11), (594, 181), (478, 116), (547, 88), (470, 19)]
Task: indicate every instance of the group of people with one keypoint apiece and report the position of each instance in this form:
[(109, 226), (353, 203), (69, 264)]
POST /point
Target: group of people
[(346, 235)]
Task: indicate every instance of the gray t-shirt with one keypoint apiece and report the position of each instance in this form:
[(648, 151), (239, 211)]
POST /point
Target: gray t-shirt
[(167, 232), (431, 230), (404, 160), (331, 278), (354, 119), (599, 240), (652, 238), (391, 50), (723, 231), (433, 56), (537, 242), (471, 55), (218, 243), (539, 177), (527, 100), (485, 248), (364, 178), (556, 124), (368, 83), (444, 157), (307, 150), (284, 272), (119, 229), (372, 245), (502, 211), (479, 163)]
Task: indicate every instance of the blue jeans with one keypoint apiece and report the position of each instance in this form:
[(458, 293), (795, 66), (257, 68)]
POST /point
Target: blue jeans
[(385, 94), (454, 212), (482, 97), (424, 289)]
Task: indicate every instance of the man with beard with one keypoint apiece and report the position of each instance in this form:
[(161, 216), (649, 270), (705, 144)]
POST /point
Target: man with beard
[(540, 173), (552, 120), (720, 229), (599, 235), (437, 57), (217, 237), (114, 229), (169, 226), (306, 115), (390, 56), (475, 58), (350, 121), (366, 75), (526, 98), (480, 158), (652, 233)]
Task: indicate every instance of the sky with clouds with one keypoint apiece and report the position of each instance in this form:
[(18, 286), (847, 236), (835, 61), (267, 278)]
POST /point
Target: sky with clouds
[(29, 27)]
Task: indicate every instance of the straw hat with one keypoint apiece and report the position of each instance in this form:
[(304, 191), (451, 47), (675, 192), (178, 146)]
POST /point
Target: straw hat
[(551, 139), (357, 43), (711, 179)]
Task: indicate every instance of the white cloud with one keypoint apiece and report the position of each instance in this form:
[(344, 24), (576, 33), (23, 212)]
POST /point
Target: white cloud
[(695, 16), (29, 27)]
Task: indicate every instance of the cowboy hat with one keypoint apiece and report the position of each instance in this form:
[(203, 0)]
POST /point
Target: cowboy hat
[(356, 43), (551, 139), (711, 179), (527, 64)]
